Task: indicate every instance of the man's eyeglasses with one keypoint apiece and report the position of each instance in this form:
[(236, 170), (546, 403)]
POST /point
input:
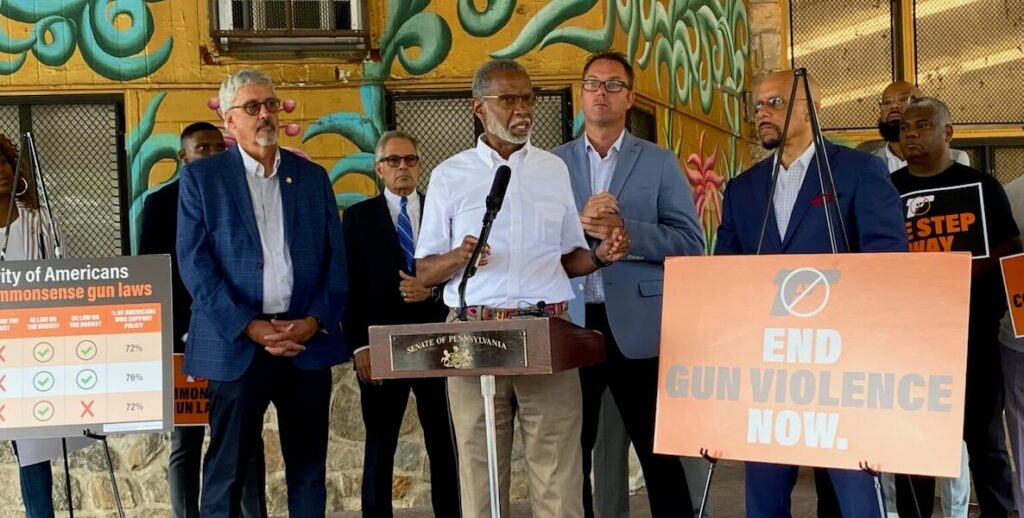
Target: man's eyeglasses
[(396, 160), (512, 100), (610, 86), (776, 102), (253, 107), (889, 101)]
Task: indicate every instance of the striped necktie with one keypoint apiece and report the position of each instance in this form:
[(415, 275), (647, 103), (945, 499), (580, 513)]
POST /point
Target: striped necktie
[(405, 234)]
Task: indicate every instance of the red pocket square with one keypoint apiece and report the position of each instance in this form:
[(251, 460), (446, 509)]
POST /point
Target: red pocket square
[(822, 198)]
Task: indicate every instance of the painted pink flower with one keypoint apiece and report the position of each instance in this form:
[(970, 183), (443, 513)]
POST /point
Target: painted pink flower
[(706, 184)]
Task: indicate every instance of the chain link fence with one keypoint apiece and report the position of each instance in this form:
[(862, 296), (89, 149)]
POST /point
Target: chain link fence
[(1008, 163), (641, 124), (445, 125), (847, 47), (970, 55), (78, 147)]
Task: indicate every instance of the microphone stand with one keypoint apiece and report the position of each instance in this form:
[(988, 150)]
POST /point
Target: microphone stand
[(470, 270), (830, 198)]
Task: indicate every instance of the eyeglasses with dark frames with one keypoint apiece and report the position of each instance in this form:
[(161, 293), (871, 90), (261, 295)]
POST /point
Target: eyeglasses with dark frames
[(508, 101), (253, 107), (396, 160), (610, 86)]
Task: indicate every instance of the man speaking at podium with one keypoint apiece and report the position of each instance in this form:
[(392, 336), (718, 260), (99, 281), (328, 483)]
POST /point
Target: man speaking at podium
[(796, 225), (536, 244)]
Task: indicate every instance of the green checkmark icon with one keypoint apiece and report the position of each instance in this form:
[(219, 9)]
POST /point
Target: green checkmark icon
[(43, 381), (86, 380), (43, 411), (87, 351), (44, 353)]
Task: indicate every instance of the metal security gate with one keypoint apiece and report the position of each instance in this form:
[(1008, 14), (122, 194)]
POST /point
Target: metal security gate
[(80, 140), (444, 124)]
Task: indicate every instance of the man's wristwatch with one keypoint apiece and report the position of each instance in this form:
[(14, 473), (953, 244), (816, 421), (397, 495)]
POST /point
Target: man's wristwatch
[(597, 260)]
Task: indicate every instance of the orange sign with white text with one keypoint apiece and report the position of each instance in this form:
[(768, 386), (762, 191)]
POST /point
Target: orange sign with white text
[(191, 404), (816, 360), (1013, 281)]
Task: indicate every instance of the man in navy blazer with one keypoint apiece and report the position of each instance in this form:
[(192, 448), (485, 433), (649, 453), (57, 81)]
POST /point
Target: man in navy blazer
[(159, 235), (380, 240), (796, 224), (261, 252), (619, 180)]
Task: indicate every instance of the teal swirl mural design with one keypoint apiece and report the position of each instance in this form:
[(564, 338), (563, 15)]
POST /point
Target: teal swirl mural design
[(59, 27), (143, 150), (407, 27), (703, 44)]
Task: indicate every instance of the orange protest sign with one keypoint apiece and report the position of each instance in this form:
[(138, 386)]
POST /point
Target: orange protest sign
[(191, 405), (818, 360), (1013, 281)]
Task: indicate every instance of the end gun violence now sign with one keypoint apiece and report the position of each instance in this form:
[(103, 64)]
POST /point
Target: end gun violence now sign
[(816, 360)]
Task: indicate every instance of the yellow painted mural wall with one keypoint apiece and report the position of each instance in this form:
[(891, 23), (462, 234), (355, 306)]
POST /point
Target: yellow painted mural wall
[(689, 79)]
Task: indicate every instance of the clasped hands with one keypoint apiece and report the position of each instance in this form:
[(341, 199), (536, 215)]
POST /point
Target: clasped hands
[(601, 220), (284, 338)]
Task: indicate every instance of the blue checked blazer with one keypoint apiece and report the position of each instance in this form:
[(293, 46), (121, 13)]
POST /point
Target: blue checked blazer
[(657, 206), (221, 262)]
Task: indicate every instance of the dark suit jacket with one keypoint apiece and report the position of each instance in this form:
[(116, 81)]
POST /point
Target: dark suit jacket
[(870, 206), (374, 259), (222, 262), (158, 236)]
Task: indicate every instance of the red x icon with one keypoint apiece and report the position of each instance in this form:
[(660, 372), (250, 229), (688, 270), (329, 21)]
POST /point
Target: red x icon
[(2, 387), (2, 349), (87, 408), (2, 407)]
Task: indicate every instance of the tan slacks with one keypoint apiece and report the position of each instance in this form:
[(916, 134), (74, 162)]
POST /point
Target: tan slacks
[(549, 409)]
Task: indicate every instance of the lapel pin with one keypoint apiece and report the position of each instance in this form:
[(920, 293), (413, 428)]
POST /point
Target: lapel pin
[(287, 179)]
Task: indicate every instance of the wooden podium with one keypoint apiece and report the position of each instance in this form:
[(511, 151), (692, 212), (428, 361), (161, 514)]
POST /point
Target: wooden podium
[(520, 346), (485, 348)]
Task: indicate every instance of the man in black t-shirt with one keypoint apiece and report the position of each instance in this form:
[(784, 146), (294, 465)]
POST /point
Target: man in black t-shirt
[(951, 207)]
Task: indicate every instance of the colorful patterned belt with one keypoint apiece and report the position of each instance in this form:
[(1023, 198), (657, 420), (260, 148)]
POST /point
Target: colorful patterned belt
[(488, 313)]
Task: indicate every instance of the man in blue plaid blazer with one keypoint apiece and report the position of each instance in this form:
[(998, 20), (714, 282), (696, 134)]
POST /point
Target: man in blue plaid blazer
[(260, 250)]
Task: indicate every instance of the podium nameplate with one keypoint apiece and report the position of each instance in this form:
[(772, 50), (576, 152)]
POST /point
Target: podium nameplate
[(514, 347), (480, 349)]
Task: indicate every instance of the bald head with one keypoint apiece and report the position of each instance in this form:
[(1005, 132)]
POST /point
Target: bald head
[(784, 80), (773, 93), (891, 104)]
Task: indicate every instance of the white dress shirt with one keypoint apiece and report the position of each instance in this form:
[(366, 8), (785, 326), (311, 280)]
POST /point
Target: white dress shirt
[(601, 170), (412, 207), (278, 276), (892, 161), (536, 225), (787, 188)]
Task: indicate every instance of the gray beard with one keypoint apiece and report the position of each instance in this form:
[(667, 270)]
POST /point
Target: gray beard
[(504, 134)]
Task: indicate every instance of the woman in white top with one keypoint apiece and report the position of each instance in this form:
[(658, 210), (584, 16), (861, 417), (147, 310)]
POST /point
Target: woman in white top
[(29, 239)]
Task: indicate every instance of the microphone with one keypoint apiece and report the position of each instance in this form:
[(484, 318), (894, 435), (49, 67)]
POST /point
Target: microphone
[(493, 205), (498, 188)]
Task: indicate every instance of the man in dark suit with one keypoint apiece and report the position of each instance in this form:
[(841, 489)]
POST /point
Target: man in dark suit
[(261, 252), (158, 235), (380, 239), (796, 224), (620, 181)]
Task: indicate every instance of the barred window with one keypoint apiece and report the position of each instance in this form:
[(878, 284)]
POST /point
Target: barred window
[(82, 165), (290, 25)]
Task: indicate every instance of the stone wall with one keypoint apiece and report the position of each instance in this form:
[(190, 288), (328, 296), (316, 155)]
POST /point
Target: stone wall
[(140, 462)]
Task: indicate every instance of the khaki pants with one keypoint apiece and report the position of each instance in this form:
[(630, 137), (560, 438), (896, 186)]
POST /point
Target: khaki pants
[(550, 415), (550, 412)]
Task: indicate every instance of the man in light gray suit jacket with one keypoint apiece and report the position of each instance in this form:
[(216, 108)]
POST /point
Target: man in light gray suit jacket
[(621, 181)]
